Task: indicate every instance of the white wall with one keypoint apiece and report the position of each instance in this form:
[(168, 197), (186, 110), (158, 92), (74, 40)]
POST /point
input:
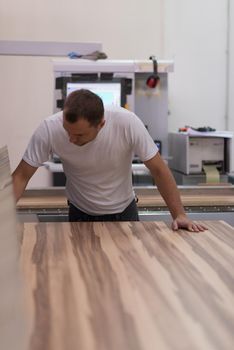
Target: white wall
[(231, 75), (195, 36), (26, 94), (193, 32), (127, 29)]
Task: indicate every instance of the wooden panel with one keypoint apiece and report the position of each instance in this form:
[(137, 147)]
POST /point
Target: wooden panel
[(11, 308), (123, 286), (188, 200), (143, 201), (42, 202), (147, 197)]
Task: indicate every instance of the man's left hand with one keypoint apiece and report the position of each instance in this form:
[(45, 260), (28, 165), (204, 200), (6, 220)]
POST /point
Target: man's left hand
[(182, 221)]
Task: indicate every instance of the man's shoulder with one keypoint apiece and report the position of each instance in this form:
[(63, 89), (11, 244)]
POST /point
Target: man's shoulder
[(55, 117), (54, 120), (119, 115), (117, 110)]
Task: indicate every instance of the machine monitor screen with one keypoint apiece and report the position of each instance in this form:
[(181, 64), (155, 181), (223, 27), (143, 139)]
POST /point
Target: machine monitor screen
[(110, 92)]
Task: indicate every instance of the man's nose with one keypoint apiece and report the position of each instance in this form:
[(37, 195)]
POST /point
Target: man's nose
[(72, 138)]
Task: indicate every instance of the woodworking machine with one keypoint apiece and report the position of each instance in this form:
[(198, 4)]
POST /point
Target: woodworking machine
[(200, 202)]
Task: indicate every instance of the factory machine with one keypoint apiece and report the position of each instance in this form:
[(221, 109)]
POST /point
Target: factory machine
[(140, 86), (200, 157), (127, 83), (189, 157), (200, 202)]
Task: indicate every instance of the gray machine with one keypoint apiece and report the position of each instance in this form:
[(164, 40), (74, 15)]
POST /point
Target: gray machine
[(193, 155), (128, 82), (149, 103)]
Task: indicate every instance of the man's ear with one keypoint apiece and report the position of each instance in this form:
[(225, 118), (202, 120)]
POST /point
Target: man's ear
[(102, 123)]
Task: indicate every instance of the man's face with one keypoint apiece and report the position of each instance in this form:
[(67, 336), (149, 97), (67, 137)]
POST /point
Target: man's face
[(81, 132)]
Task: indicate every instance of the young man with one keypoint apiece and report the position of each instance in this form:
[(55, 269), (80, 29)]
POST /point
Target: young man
[(96, 148)]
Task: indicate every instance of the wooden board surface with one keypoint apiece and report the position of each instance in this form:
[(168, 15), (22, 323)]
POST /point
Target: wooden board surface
[(128, 286), (42, 202), (188, 200), (143, 201)]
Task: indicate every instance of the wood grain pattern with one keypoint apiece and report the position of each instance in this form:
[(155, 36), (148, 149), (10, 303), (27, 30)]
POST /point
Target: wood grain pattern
[(146, 198), (42, 202), (128, 286), (143, 201), (188, 200)]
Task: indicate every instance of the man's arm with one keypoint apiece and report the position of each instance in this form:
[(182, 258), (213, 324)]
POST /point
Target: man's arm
[(21, 177), (168, 189)]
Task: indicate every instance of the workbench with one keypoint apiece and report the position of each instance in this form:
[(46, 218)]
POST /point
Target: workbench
[(128, 286), (54, 197), (200, 202), (113, 285)]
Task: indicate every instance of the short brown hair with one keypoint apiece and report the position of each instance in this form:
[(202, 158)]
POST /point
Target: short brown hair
[(83, 104)]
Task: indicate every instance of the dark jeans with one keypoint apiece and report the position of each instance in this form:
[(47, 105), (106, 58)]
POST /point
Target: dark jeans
[(129, 214)]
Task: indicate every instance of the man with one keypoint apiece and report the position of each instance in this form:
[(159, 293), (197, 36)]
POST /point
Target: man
[(96, 148)]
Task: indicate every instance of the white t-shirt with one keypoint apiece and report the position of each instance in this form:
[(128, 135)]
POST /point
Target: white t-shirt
[(99, 173)]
